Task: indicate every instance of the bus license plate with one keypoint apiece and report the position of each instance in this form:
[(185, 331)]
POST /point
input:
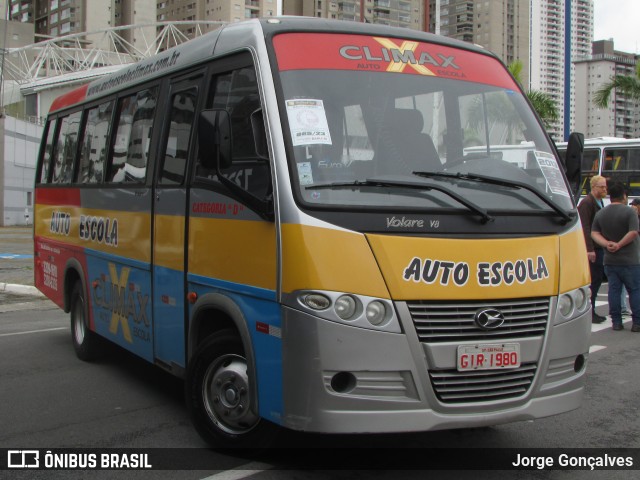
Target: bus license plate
[(488, 357)]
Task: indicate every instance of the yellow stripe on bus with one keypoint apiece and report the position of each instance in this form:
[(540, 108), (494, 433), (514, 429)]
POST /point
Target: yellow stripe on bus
[(457, 269), (574, 269), (169, 242), (126, 234), (234, 250), (327, 259)]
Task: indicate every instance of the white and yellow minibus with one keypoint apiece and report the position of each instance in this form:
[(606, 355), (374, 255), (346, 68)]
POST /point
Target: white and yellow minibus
[(617, 159), (285, 213)]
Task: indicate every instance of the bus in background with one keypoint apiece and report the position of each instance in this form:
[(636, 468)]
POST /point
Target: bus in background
[(617, 159), (300, 235)]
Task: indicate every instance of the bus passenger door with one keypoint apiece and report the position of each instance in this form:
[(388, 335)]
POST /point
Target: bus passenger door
[(169, 227)]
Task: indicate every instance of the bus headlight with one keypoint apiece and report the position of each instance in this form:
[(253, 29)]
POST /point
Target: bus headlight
[(376, 313), (581, 299), (316, 301), (346, 307), (565, 305), (572, 304), (350, 309)]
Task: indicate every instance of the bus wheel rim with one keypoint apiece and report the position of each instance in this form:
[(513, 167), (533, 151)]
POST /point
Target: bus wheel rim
[(226, 395)]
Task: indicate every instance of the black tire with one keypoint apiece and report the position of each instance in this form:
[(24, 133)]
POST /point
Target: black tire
[(219, 396), (85, 342)]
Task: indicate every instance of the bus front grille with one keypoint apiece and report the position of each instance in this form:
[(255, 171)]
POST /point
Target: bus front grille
[(451, 386), (452, 321)]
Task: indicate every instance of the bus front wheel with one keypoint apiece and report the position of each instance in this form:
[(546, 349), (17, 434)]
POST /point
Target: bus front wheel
[(85, 342), (219, 396)]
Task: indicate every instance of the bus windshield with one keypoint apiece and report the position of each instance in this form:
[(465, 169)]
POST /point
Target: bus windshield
[(374, 145)]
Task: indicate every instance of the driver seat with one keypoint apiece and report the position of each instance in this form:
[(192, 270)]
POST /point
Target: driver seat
[(405, 147)]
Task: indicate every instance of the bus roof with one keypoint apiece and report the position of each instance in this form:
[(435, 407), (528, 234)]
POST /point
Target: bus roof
[(605, 142), (225, 40)]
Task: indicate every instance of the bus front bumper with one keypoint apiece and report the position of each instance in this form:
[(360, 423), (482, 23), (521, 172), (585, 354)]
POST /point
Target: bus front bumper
[(342, 379)]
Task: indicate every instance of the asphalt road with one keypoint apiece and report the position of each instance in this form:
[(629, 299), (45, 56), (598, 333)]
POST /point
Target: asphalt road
[(51, 399)]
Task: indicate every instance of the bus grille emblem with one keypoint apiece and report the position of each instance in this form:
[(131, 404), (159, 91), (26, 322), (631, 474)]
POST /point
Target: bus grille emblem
[(489, 319)]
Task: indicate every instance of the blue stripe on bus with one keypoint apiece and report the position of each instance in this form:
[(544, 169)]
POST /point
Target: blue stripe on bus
[(168, 315), (120, 292), (123, 310), (117, 259), (263, 316), (233, 287)]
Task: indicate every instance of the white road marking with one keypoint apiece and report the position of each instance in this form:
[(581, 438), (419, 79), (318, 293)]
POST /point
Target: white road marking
[(33, 331), (596, 348), (242, 471)]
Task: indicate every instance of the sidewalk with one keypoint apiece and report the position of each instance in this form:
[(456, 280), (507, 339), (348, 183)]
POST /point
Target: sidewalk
[(16, 261)]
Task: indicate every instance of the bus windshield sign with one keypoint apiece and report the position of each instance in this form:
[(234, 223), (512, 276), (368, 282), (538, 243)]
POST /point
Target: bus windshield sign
[(391, 55)]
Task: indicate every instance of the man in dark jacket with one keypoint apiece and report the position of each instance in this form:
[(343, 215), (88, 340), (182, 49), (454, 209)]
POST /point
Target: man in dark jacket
[(587, 209)]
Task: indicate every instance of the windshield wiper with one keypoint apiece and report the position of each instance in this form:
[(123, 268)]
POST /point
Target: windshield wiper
[(409, 185), (473, 177)]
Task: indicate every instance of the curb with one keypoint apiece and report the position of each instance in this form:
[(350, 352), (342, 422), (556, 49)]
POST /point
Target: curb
[(20, 289)]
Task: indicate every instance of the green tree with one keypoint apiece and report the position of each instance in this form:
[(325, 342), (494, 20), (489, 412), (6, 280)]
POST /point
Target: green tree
[(627, 85), (542, 103)]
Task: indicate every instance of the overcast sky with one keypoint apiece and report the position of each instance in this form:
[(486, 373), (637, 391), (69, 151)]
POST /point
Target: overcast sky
[(620, 20)]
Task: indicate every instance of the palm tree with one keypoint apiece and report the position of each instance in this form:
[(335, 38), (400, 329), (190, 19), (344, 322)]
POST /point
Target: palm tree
[(542, 103), (502, 116), (627, 85)]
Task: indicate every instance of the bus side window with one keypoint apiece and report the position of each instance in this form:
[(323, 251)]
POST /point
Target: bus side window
[(616, 167), (237, 92), (634, 167), (130, 151), (47, 153), (183, 105), (94, 144), (66, 149), (615, 159), (590, 167)]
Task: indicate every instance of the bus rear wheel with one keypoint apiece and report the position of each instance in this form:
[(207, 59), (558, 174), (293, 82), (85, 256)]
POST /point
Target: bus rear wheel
[(220, 399), (85, 342)]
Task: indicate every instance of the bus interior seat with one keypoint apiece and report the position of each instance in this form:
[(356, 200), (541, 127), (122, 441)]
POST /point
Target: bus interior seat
[(402, 138)]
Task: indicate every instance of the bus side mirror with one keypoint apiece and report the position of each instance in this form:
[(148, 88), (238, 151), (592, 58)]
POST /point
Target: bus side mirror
[(214, 139), (259, 135), (573, 161)]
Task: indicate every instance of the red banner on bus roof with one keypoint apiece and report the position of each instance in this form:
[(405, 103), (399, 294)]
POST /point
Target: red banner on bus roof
[(304, 51), (70, 98)]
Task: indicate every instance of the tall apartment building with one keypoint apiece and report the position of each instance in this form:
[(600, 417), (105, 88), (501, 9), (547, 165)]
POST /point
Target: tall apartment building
[(397, 13), (547, 60), (501, 26), (212, 10), (622, 118), (561, 31), (53, 18), (580, 40)]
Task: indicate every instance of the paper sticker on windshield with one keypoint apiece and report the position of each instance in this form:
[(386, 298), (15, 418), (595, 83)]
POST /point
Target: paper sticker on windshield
[(549, 167), (304, 173), (308, 122)]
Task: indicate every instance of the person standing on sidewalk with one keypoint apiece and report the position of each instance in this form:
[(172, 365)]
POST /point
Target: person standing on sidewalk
[(626, 310), (587, 209), (615, 228)]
